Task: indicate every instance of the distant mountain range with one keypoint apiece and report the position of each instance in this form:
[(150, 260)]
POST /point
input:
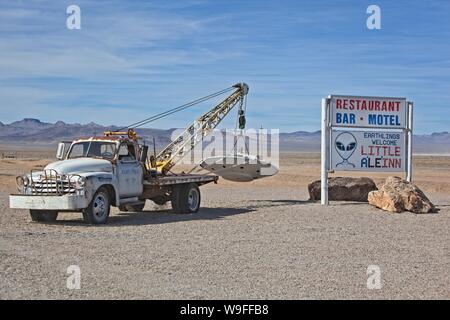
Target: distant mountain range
[(33, 131)]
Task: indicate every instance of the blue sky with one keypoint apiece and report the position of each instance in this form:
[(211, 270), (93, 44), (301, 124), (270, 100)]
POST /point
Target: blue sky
[(132, 59)]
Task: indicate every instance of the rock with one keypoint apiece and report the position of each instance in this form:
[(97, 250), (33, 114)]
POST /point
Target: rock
[(398, 195), (344, 189)]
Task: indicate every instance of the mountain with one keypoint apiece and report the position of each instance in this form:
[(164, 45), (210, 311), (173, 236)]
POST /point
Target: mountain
[(29, 130), (300, 141), (34, 131), (438, 142), (23, 127)]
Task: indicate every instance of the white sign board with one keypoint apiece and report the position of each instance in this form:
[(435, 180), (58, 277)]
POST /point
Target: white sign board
[(367, 151), (368, 112), (365, 134)]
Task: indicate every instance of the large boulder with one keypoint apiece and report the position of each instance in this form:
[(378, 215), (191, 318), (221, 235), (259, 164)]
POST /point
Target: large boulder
[(397, 195), (344, 189)]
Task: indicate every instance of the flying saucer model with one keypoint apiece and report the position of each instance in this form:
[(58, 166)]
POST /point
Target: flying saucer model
[(240, 168)]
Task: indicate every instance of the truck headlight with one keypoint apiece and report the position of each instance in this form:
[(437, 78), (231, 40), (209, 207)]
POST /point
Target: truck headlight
[(26, 181), (79, 182), (19, 181), (22, 182)]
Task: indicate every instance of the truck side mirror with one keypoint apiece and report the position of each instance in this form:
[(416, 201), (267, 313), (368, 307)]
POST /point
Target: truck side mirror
[(60, 153)]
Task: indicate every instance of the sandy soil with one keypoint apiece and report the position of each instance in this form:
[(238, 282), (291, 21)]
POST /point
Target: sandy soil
[(254, 240)]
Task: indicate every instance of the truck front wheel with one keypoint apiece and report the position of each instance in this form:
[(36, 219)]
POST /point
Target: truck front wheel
[(186, 198), (98, 210), (43, 215)]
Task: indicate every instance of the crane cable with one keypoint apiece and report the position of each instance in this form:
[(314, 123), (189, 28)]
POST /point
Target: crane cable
[(176, 109)]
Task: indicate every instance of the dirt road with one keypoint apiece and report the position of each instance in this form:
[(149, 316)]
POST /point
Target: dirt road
[(258, 240)]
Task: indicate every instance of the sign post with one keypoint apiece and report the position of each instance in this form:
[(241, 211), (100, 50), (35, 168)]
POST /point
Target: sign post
[(365, 134), (324, 155), (410, 137)]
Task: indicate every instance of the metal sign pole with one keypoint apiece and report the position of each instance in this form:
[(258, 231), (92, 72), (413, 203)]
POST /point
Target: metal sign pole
[(324, 154), (410, 137)]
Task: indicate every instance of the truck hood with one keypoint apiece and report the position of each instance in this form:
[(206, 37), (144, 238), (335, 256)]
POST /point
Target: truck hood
[(80, 165)]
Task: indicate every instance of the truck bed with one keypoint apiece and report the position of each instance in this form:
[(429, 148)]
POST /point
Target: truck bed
[(180, 179)]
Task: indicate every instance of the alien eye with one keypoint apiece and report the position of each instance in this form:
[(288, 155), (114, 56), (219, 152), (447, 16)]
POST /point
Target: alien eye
[(351, 146), (340, 146)]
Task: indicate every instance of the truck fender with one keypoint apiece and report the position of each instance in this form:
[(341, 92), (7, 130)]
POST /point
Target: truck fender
[(95, 181)]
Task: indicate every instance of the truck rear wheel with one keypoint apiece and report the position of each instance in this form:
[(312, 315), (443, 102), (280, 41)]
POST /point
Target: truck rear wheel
[(98, 210), (43, 215), (186, 198)]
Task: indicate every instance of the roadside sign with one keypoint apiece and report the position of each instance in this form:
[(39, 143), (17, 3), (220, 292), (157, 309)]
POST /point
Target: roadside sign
[(365, 134), (367, 151), (370, 112)]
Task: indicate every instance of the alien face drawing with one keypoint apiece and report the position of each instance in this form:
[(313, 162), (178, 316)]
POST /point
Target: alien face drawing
[(345, 144)]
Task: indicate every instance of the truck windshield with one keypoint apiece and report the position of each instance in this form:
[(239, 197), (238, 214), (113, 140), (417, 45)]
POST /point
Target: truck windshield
[(92, 149)]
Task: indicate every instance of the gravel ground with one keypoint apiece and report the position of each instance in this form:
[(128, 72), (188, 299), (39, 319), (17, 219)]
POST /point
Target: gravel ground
[(257, 242)]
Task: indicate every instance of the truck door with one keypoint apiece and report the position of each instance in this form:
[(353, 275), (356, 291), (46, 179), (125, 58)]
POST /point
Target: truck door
[(129, 171)]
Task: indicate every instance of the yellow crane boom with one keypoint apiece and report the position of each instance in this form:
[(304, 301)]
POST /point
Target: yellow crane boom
[(197, 130)]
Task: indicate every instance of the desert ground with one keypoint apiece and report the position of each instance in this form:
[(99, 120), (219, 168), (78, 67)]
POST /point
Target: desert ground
[(262, 239)]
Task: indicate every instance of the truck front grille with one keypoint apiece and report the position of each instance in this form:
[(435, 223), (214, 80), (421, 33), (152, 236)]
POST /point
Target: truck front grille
[(51, 187), (52, 183)]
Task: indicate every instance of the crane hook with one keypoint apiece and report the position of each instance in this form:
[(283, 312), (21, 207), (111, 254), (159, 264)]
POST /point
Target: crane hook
[(242, 119)]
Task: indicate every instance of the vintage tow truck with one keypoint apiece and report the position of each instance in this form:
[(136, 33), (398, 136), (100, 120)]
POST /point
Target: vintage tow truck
[(98, 172)]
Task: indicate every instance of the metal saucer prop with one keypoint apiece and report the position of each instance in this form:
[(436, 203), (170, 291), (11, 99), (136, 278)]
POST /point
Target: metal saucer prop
[(239, 168)]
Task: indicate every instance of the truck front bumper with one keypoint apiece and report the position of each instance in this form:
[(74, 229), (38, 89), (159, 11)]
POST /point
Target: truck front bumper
[(39, 202)]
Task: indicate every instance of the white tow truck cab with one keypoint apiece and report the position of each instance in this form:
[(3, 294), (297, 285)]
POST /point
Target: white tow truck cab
[(95, 173)]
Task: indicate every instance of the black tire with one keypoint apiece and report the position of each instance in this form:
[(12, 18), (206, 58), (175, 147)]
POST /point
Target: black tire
[(43, 215), (186, 198), (98, 210), (135, 207), (176, 194)]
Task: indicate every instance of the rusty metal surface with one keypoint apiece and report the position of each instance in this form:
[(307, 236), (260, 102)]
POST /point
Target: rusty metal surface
[(103, 138), (180, 179), (151, 191)]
